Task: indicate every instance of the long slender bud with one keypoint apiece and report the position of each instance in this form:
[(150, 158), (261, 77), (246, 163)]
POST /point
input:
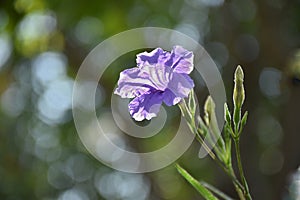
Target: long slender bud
[(238, 92)]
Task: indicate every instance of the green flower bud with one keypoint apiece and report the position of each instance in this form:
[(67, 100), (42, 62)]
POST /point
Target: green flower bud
[(238, 92), (209, 110), (212, 124), (192, 102)]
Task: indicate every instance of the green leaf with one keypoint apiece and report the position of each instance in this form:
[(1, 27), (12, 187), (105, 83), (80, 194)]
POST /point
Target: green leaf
[(244, 120), (227, 132), (227, 115), (216, 191), (197, 185)]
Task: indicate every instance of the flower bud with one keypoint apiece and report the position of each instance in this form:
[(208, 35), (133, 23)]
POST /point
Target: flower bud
[(192, 102), (238, 92), (209, 109)]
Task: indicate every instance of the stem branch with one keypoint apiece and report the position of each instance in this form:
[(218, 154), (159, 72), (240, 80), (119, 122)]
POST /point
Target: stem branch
[(240, 167)]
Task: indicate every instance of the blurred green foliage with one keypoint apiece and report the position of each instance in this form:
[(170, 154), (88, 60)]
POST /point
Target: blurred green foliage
[(43, 43)]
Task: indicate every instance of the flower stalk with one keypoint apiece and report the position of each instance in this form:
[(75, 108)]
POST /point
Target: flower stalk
[(221, 146)]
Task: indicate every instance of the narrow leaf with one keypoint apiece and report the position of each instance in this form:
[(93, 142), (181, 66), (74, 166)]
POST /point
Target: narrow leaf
[(243, 122), (216, 191), (197, 185), (227, 115)]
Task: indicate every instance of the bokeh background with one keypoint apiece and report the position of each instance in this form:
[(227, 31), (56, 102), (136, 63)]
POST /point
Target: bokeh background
[(43, 43)]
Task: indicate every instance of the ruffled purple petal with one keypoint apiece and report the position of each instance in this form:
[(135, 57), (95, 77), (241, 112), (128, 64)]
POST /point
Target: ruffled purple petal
[(136, 81), (159, 75), (132, 83), (170, 98), (157, 56), (146, 105), (181, 60), (179, 87)]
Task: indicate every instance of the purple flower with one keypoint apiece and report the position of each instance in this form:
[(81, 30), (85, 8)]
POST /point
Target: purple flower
[(160, 76)]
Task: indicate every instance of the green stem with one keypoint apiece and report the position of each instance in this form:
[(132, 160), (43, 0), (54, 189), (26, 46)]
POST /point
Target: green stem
[(239, 192), (240, 167), (227, 169), (207, 149), (210, 142), (237, 185)]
